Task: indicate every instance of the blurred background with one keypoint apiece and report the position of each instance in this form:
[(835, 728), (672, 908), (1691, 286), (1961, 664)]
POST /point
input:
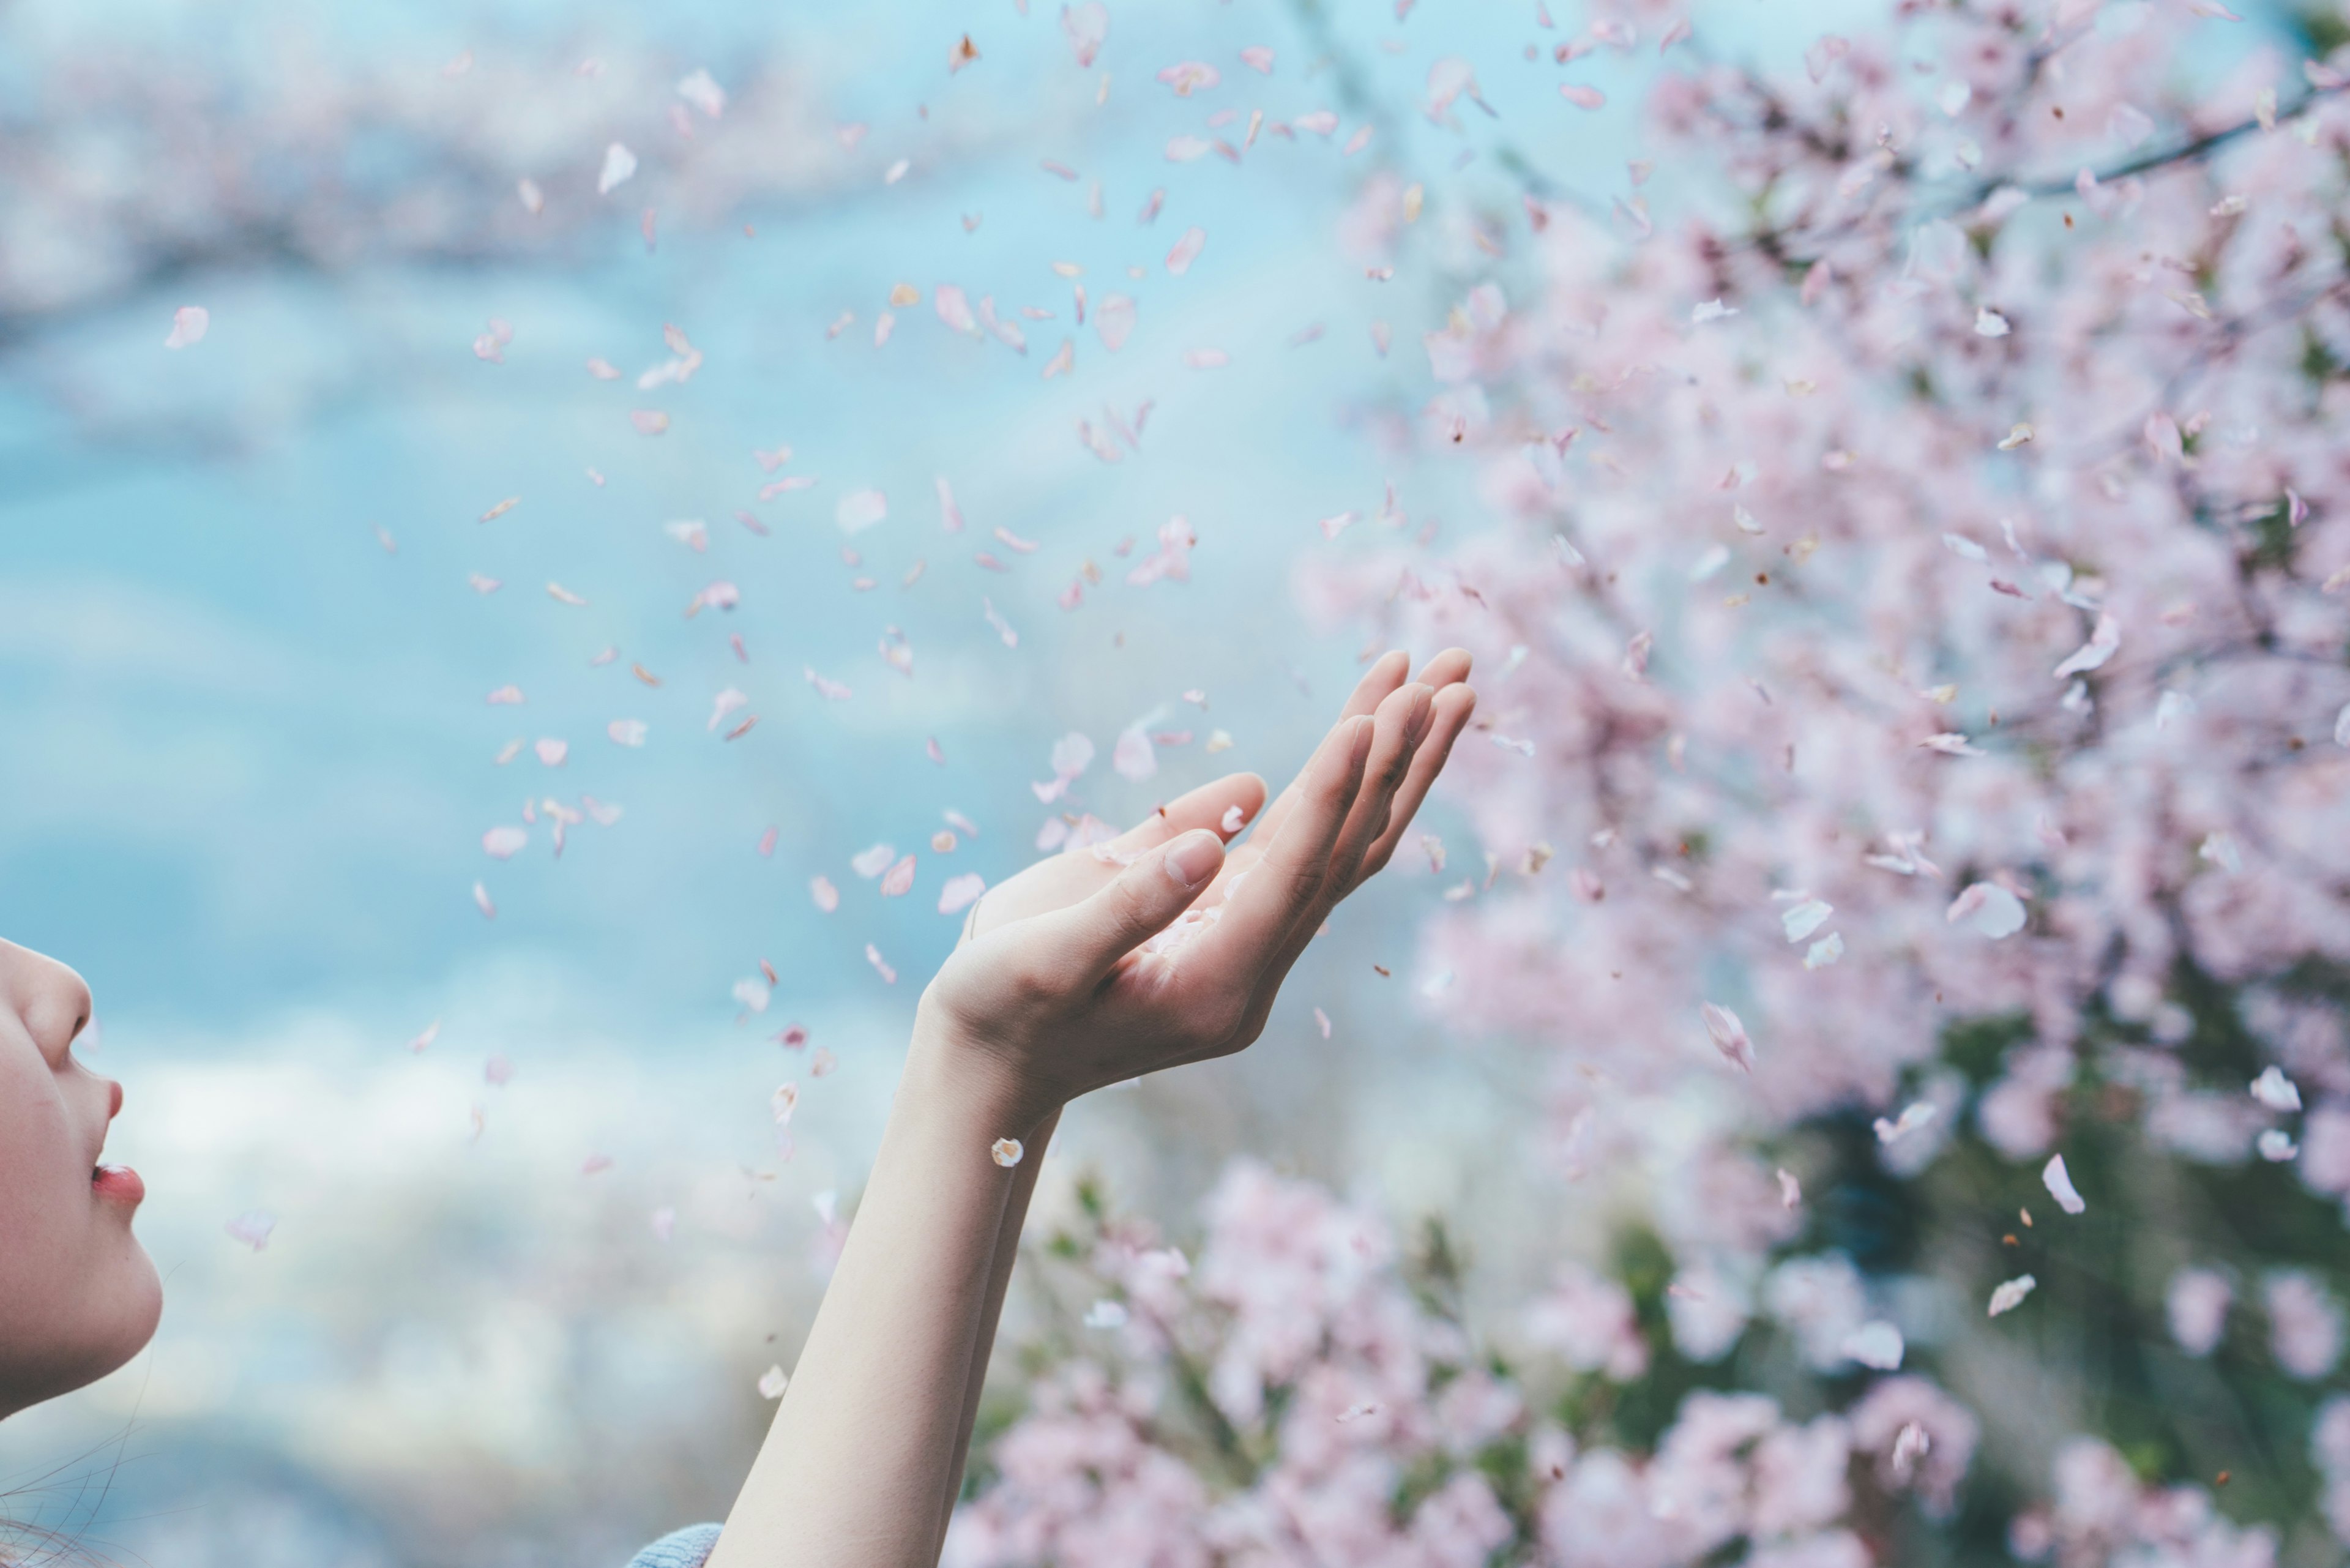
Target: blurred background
[(250, 616), (478, 1225)]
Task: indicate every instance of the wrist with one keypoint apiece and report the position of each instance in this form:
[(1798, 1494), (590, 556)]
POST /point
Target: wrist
[(948, 1070)]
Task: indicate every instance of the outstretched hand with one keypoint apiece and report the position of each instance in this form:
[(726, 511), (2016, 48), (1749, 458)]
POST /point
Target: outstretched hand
[(1160, 947)]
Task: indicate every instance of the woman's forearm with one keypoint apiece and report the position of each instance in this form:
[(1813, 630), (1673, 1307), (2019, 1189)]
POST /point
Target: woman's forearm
[(1007, 1255), (863, 1445)]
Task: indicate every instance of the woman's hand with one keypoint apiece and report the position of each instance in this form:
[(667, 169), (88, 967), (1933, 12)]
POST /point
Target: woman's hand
[(1159, 949), (1078, 972)]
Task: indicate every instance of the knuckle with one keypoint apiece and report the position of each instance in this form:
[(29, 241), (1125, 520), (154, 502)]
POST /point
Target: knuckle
[(1030, 986)]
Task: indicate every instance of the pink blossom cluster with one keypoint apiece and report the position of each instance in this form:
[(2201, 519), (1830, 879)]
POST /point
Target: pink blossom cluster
[(1291, 1400), (2103, 1513)]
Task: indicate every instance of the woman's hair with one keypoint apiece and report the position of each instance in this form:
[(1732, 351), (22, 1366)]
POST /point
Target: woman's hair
[(73, 1493)]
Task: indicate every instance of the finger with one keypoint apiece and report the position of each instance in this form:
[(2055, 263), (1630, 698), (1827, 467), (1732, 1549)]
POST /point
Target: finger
[(1454, 705), (1386, 673), (1377, 683), (1141, 901), (1281, 888), (1410, 724), (1448, 668), (1402, 721), (1210, 805)]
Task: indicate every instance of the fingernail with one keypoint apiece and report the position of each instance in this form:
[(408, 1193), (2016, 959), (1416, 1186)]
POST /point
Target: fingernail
[(1194, 859), (1423, 709)]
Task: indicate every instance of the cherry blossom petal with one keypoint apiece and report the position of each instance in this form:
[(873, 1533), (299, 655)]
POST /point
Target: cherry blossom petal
[(189, 325), (2059, 1182)]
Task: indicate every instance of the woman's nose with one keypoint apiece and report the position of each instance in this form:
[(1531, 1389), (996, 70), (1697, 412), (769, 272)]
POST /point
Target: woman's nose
[(113, 1099)]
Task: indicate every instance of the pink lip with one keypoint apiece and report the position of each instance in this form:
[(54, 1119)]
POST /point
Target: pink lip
[(119, 1184)]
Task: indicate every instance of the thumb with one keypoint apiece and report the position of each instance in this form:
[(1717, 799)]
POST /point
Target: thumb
[(1143, 900)]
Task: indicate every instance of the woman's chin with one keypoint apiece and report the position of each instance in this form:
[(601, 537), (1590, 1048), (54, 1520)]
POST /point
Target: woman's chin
[(116, 1325), (134, 1306)]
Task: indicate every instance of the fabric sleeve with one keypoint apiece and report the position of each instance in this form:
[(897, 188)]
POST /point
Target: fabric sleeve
[(688, 1548)]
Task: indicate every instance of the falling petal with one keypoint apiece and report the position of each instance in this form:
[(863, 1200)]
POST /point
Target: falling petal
[(619, 163), (1085, 27), (1991, 908), (1186, 251), (2008, 1294), (253, 1228), (2059, 1182), (1729, 1036), (2276, 1090), (189, 325)]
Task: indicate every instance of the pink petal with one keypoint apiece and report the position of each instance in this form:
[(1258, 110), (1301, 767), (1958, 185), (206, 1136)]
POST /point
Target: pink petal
[(960, 893), (1133, 756), (2059, 1182), (1187, 251), (1114, 321), (253, 1228), (1730, 1036), (1190, 77), (826, 896), (860, 509), (619, 164), (189, 325), (1085, 27), (954, 309), (2093, 653)]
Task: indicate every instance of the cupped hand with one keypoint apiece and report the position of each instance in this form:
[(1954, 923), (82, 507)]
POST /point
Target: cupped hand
[(1158, 949)]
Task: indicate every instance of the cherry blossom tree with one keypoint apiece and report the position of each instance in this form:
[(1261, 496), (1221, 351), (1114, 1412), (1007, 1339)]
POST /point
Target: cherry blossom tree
[(1911, 807)]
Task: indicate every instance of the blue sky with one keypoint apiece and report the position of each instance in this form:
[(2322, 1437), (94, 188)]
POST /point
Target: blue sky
[(250, 759)]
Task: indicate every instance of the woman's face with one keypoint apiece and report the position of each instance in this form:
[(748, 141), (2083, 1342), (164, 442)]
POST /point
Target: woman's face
[(77, 1294)]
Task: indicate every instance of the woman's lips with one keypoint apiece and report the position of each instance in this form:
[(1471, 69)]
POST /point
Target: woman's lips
[(118, 1184)]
